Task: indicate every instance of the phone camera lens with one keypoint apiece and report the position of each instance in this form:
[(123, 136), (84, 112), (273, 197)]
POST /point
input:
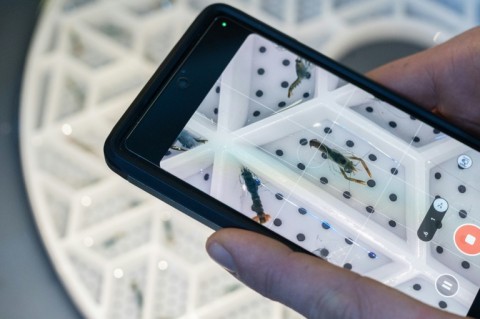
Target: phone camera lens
[(183, 82)]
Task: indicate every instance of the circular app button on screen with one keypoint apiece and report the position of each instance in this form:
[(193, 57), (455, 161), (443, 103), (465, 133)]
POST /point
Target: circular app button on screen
[(467, 239), (447, 285)]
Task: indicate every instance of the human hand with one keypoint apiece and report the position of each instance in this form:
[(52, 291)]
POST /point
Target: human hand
[(308, 284), (442, 79)]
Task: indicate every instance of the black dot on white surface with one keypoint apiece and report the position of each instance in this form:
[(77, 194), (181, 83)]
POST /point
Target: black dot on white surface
[(438, 175), (417, 287), (217, 89), (262, 49), (393, 197), (462, 189), (442, 304), (302, 211), (286, 62), (215, 110), (412, 118), (279, 152), (371, 183), (462, 213), (261, 71), (347, 194), (439, 250), (308, 75), (392, 223), (327, 130), (300, 237), (303, 141), (323, 180), (416, 139), (369, 109), (259, 93), (282, 104), (324, 252), (277, 222), (465, 264), (306, 95), (256, 113), (326, 225), (284, 84), (349, 241), (370, 209), (349, 143), (372, 255), (347, 266), (301, 166), (324, 155), (279, 196), (392, 124), (394, 171), (372, 157), (435, 131), (206, 177)]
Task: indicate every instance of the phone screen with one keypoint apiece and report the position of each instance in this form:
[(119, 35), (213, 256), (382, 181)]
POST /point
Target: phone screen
[(339, 172)]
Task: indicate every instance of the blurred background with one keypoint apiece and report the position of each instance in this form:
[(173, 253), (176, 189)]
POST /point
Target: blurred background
[(29, 285), (75, 240)]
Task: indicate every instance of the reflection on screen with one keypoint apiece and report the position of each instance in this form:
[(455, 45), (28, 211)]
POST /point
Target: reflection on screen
[(339, 172)]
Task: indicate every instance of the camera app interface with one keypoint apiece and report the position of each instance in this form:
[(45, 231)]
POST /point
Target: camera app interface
[(341, 173)]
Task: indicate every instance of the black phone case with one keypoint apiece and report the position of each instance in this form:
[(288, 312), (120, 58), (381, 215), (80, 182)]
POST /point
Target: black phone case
[(185, 197), (146, 175)]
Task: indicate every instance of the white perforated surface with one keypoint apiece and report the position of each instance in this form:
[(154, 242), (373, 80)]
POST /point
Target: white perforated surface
[(124, 254)]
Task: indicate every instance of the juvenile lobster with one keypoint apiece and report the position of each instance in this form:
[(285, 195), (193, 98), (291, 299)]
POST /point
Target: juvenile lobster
[(345, 164), (251, 183)]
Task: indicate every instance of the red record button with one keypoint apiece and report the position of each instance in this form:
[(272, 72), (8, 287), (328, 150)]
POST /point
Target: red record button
[(467, 239)]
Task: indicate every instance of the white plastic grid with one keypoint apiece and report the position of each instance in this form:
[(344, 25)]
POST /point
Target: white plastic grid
[(215, 285), (88, 61), (128, 299)]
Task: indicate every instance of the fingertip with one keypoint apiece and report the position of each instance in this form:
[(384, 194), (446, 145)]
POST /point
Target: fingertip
[(229, 237), (243, 253), (231, 248), (221, 256), (246, 245)]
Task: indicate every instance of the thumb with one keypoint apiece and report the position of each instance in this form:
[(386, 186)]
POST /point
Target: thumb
[(307, 284)]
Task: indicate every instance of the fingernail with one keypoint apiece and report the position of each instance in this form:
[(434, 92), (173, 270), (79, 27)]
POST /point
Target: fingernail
[(222, 257)]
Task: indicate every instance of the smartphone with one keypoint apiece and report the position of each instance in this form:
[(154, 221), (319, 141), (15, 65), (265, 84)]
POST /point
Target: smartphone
[(243, 126)]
